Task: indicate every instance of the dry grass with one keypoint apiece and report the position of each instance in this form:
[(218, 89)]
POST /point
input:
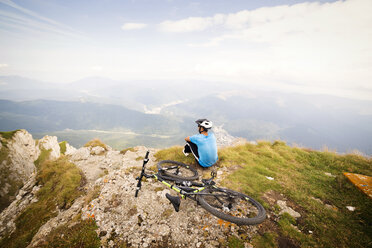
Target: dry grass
[(95, 143), (127, 149)]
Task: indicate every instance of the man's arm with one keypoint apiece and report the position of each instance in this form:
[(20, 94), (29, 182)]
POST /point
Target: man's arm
[(187, 138)]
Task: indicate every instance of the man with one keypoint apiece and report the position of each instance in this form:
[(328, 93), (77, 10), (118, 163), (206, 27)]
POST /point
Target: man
[(203, 145), (204, 148)]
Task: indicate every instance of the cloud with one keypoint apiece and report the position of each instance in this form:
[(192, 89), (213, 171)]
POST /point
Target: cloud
[(29, 20), (97, 68), (133, 26), (191, 24), (308, 46)]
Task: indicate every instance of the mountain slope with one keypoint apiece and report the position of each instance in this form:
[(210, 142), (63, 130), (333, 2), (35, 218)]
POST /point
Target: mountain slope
[(304, 192), (44, 115)]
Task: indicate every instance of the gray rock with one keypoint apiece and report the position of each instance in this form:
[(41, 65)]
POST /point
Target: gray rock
[(51, 143), (285, 209)]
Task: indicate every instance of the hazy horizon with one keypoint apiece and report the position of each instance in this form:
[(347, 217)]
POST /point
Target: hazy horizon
[(291, 69)]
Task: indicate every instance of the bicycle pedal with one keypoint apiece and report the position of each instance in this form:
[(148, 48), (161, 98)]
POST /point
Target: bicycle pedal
[(175, 200)]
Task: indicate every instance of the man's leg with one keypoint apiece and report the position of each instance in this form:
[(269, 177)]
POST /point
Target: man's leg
[(191, 148)]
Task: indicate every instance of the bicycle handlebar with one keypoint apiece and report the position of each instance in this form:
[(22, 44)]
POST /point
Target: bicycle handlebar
[(139, 184)]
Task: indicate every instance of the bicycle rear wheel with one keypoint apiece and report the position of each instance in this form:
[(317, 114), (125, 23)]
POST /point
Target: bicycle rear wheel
[(170, 169), (232, 206)]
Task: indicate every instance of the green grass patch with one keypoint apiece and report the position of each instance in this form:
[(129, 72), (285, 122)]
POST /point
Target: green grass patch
[(234, 242), (96, 142), (174, 153), (61, 182), (299, 174), (9, 135), (82, 233), (268, 240), (44, 156), (286, 224), (62, 147)]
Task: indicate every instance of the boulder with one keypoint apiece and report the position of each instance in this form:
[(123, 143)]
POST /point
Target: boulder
[(50, 143)]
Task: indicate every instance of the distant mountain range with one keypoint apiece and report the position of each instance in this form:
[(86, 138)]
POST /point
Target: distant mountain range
[(137, 95), (308, 121), (162, 113), (42, 117)]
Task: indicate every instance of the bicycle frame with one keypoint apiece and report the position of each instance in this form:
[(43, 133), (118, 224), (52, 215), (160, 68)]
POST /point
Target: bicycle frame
[(184, 191)]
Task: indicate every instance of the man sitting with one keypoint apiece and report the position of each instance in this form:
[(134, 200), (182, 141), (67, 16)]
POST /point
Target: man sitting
[(203, 145)]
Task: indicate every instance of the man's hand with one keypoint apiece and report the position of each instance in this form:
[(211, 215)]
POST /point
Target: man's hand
[(187, 138)]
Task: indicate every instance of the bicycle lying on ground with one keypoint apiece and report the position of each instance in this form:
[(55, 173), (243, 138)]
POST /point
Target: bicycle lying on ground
[(224, 203)]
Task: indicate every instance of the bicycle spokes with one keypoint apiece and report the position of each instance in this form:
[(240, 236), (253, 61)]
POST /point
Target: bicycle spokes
[(236, 206)]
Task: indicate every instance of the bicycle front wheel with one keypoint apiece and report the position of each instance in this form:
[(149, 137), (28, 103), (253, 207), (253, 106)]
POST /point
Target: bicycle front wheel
[(174, 170), (232, 206)]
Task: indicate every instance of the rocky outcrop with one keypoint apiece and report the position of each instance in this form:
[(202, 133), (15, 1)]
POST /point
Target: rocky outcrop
[(50, 143), (25, 196), (96, 161), (22, 153), (223, 138), (70, 149), (18, 153), (146, 221)]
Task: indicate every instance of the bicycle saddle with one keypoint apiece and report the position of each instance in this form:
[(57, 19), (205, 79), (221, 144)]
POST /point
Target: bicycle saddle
[(175, 200)]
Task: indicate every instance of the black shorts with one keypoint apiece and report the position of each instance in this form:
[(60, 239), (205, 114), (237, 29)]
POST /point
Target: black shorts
[(192, 148)]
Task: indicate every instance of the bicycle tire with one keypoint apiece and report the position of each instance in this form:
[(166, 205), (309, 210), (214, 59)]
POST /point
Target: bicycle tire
[(171, 170), (232, 206)]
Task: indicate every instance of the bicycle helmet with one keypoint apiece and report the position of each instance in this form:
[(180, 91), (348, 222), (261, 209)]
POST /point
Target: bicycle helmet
[(206, 124)]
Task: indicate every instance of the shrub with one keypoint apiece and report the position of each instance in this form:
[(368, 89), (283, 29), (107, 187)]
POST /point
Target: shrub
[(62, 146)]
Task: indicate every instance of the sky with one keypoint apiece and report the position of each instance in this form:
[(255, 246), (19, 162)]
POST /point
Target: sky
[(315, 47)]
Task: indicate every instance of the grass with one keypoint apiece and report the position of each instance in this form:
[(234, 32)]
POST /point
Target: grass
[(267, 240), (92, 194), (235, 242), (140, 158), (44, 155), (61, 182), (95, 143), (174, 153), (62, 146), (8, 135), (299, 174), (81, 233), (127, 149)]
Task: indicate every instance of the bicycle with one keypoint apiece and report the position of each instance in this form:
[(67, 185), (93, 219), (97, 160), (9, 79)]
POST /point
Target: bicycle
[(225, 204)]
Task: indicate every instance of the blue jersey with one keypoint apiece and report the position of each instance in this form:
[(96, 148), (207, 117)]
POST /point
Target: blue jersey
[(207, 148)]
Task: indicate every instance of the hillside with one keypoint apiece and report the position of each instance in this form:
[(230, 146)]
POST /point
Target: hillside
[(78, 122), (129, 112), (85, 198)]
